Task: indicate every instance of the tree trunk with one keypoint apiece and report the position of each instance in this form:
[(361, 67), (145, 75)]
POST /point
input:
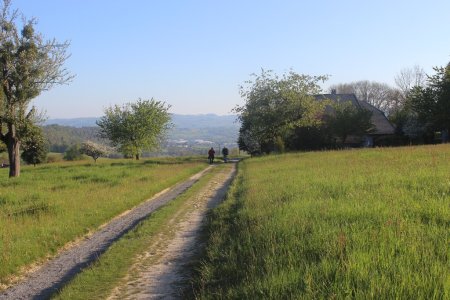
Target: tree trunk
[(13, 145), (137, 156)]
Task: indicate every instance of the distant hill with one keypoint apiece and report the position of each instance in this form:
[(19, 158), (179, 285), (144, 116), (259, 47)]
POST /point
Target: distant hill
[(191, 133), (60, 137), (75, 122), (180, 121)]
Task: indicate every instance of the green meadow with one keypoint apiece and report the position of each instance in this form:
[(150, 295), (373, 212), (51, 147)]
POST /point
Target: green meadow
[(356, 224), (53, 204)]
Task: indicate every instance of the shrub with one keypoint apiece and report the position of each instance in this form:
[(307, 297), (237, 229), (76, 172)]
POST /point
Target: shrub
[(73, 153)]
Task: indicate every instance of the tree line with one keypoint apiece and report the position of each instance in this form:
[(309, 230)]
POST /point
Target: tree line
[(284, 113), (419, 105)]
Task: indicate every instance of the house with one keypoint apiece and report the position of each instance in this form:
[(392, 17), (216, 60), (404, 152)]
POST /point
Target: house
[(382, 127)]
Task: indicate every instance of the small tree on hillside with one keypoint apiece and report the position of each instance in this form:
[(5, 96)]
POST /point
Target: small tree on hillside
[(93, 150), (28, 66), (35, 148), (135, 127)]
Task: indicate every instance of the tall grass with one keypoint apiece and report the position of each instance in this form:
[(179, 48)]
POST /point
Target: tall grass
[(50, 205), (364, 224)]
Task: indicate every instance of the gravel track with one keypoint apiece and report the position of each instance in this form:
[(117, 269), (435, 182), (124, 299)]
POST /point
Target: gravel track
[(169, 276), (44, 282)]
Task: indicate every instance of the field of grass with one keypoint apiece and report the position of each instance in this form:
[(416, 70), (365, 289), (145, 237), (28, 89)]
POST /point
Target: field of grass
[(363, 224), (53, 204)]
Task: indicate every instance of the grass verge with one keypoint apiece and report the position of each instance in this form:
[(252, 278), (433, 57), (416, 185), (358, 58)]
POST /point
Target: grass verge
[(97, 281), (363, 224)]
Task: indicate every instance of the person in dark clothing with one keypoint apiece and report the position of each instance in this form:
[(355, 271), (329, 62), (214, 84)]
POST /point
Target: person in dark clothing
[(225, 154), (211, 153)]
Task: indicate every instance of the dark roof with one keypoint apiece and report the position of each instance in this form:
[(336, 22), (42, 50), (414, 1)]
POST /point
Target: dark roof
[(379, 120), (382, 124)]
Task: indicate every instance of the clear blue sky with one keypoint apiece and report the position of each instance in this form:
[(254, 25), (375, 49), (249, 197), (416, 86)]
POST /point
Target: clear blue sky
[(195, 54)]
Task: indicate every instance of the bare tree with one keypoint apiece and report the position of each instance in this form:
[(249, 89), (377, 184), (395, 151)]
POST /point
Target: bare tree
[(28, 66), (408, 78), (380, 95)]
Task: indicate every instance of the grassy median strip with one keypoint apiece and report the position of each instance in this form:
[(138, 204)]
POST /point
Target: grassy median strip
[(359, 224), (97, 281), (51, 205)]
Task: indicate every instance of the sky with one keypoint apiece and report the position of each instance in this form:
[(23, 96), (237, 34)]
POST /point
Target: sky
[(194, 55)]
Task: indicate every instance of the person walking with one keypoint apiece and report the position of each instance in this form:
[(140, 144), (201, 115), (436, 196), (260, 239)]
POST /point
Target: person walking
[(225, 154), (211, 153)]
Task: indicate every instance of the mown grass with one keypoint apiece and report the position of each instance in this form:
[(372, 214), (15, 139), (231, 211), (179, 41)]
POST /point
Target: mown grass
[(51, 205), (98, 281), (362, 224)]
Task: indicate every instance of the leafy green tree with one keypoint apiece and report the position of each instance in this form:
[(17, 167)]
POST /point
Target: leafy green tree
[(247, 142), (431, 104), (73, 153), (274, 105), (347, 119), (311, 138), (35, 148), (135, 127), (93, 150), (28, 66)]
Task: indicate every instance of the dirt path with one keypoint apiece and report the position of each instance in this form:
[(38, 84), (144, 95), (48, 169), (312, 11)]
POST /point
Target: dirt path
[(163, 271), (53, 275)]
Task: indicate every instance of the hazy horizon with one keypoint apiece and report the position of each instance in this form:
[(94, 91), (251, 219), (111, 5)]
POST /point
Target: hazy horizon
[(200, 114)]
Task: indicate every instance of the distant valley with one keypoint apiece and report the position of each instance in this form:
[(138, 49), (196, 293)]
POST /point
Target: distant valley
[(191, 134), (179, 121)]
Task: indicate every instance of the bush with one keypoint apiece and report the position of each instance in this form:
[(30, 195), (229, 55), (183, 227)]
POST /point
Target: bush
[(35, 148), (73, 153)]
